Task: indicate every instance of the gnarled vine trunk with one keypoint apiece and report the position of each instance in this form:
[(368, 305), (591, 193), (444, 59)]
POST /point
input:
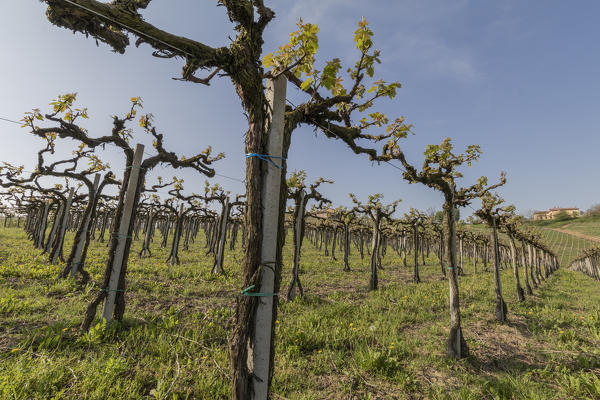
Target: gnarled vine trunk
[(513, 256), (501, 308), (456, 346)]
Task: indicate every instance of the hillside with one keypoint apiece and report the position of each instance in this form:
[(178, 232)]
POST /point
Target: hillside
[(569, 238), (566, 238)]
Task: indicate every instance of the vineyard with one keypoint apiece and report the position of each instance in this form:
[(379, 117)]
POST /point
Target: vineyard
[(339, 340), (568, 246), (118, 282)]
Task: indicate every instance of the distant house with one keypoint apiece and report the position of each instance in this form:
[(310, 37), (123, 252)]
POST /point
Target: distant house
[(553, 212)]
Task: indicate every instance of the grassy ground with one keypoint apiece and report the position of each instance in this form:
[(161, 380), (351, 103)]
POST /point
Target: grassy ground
[(589, 225), (339, 341), (585, 225)]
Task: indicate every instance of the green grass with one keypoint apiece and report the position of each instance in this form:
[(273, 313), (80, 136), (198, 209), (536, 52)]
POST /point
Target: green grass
[(340, 339), (585, 225), (589, 225)]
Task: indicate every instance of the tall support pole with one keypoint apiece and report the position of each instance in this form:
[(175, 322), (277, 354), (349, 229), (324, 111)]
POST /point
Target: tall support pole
[(416, 277), (441, 250), (123, 233), (374, 281), (474, 255), (460, 252), (218, 265), (260, 354), (63, 227), (83, 238)]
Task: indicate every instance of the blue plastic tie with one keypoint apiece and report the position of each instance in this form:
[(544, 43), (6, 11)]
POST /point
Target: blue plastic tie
[(266, 157), (246, 292), (109, 290)]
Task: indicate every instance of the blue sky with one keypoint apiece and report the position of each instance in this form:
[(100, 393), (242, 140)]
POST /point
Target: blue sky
[(519, 78)]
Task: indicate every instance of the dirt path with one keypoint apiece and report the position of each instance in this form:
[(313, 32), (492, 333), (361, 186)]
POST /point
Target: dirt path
[(578, 234)]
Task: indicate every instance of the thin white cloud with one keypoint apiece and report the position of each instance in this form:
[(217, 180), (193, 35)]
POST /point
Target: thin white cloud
[(415, 26), (433, 56), (319, 11)]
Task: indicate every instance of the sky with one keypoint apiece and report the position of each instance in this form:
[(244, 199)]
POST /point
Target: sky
[(519, 78)]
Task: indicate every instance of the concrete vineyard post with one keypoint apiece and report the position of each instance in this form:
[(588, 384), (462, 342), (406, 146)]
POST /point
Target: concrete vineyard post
[(373, 282), (123, 225), (260, 355), (416, 277), (218, 268)]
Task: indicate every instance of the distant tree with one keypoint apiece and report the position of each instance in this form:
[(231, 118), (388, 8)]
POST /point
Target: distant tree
[(528, 214), (562, 216), (593, 210), (472, 219), (431, 212), (439, 216)]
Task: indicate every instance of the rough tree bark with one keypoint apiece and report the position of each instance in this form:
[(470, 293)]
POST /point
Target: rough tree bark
[(298, 235), (501, 308), (456, 345), (513, 257)]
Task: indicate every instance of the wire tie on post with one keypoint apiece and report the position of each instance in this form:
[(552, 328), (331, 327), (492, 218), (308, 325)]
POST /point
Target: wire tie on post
[(134, 166), (266, 157), (246, 292), (266, 264)]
